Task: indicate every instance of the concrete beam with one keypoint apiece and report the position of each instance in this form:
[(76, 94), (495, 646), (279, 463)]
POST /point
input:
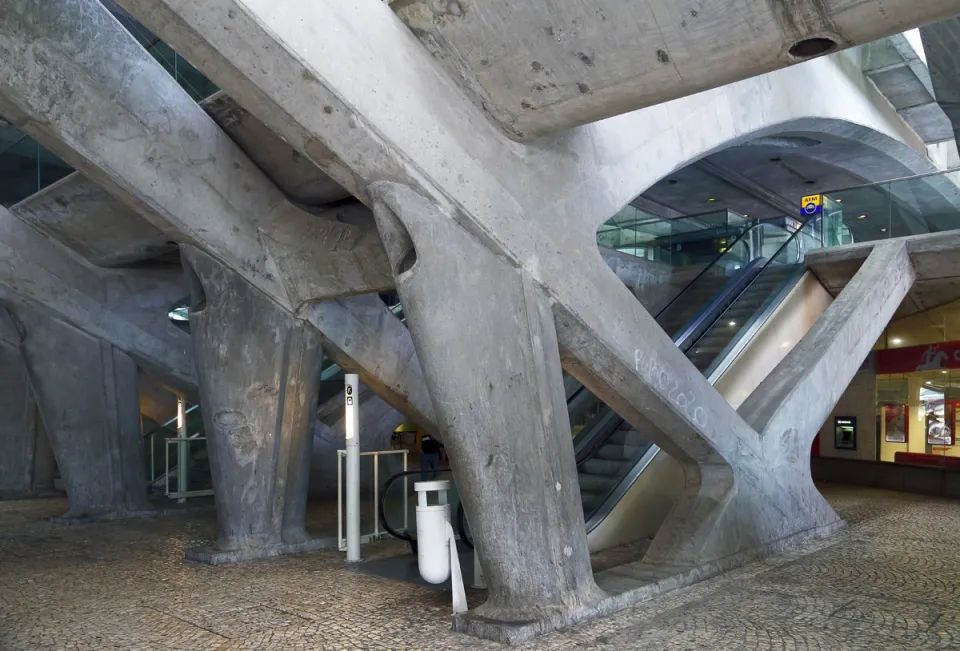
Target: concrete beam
[(795, 399), (98, 228), (125, 307), (192, 182), (542, 67), (19, 426)]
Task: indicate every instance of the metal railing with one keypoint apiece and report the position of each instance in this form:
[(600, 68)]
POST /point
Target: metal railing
[(182, 472), (377, 533)]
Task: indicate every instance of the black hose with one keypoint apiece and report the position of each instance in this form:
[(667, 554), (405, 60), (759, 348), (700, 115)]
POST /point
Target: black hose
[(461, 518)]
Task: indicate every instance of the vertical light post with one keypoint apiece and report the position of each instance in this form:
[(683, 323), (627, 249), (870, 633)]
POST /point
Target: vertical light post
[(183, 450), (353, 467)]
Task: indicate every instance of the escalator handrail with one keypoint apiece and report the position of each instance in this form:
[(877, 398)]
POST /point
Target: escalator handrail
[(631, 477), (706, 269), (719, 304), (794, 237)]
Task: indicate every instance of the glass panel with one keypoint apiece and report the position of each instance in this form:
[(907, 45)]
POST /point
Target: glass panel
[(912, 206), (26, 167), (755, 301)]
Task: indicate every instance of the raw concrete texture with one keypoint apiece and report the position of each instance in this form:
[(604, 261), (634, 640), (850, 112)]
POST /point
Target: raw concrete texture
[(485, 336), (541, 67), (87, 394), (259, 371), (125, 307), (295, 174), (363, 336), (537, 207), (83, 217), (18, 426), (197, 184)]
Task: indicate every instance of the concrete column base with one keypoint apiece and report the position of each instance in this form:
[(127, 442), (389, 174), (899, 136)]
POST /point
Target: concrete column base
[(629, 585), (212, 555), (259, 369)]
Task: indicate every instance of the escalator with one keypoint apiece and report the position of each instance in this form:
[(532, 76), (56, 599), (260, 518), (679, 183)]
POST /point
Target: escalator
[(712, 320)]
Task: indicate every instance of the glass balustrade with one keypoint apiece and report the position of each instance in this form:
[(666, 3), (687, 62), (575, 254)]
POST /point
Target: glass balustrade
[(929, 203)]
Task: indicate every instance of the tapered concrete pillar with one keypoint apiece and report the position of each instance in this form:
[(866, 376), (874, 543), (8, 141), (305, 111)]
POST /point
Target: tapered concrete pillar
[(18, 427), (259, 372), (86, 390), (485, 338)]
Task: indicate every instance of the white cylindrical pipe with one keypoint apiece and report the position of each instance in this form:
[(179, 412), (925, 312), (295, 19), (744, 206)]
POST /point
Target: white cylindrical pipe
[(183, 449), (353, 466)]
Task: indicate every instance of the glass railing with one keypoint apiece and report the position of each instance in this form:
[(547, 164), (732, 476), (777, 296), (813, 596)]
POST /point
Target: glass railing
[(713, 315), (681, 242), (26, 167), (732, 328), (929, 203)]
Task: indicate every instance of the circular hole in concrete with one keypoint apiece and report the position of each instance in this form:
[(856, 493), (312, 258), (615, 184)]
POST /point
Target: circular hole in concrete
[(811, 47)]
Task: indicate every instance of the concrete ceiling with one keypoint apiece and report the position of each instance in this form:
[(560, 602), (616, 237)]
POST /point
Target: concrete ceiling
[(786, 167), (541, 66), (935, 257), (941, 42)]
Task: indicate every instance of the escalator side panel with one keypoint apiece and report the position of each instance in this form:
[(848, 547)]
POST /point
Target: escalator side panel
[(639, 513)]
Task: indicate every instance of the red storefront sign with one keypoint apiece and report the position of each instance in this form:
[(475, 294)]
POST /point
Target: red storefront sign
[(918, 358)]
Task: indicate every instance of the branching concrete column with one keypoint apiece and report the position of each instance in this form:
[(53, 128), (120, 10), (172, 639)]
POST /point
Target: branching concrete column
[(485, 338), (259, 371), (87, 393)]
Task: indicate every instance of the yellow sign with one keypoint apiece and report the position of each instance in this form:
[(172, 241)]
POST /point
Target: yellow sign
[(811, 205)]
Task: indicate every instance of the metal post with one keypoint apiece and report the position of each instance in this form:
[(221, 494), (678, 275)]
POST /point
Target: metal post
[(376, 494), (183, 450), (353, 467)]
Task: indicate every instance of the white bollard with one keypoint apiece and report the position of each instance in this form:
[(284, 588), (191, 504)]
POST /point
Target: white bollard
[(352, 385), (433, 554)]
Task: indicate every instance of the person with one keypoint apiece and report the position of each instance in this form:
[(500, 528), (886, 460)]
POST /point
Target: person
[(429, 457)]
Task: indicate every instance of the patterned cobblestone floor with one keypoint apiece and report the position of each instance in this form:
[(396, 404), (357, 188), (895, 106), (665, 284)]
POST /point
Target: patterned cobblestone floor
[(890, 582)]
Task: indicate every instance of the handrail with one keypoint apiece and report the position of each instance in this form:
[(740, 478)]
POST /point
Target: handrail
[(877, 184), (157, 429), (705, 269), (719, 303), (769, 261)]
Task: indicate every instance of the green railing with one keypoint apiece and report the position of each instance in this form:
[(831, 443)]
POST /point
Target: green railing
[(929, 203)]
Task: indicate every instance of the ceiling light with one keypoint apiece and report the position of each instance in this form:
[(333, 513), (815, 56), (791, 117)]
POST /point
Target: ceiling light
[(929, 382), (732, 323), (711, 199), (862, 217), (839, 200), (883, 230), (896, 341), (944, 372)]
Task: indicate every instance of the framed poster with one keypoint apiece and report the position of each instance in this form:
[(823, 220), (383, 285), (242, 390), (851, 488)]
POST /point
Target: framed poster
[(845, 432), (940, 432), (895, 417)]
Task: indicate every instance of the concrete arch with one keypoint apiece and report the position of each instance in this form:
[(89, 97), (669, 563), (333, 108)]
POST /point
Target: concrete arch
[(619, 158)]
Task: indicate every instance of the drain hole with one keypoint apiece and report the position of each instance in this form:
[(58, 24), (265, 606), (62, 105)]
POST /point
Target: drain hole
[(812, 47)]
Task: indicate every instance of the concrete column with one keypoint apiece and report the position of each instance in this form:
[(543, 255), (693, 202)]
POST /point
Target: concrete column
[(259, 371), (86, 390), (485, 338), (18, 427)]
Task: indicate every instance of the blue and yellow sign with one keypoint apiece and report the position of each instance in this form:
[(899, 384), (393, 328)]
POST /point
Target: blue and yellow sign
[(811, 205)]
